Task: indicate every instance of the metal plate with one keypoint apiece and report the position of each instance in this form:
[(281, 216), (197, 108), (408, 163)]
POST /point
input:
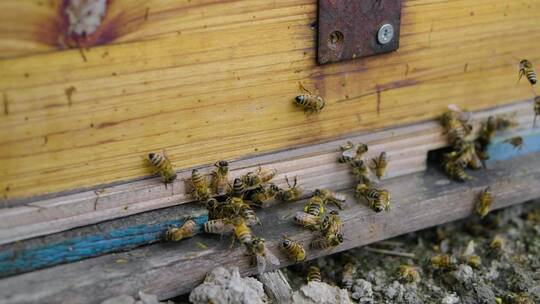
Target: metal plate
[(349, 29)]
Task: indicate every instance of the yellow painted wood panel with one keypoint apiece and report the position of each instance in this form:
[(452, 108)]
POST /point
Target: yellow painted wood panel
[(215, 80)]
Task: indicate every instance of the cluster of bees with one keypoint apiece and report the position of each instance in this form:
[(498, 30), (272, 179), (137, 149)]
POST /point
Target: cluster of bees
[(352, 154)]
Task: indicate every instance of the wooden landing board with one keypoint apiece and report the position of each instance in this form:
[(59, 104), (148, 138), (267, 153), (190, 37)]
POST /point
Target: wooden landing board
[(210, 78), (420, 200), (315, 166)]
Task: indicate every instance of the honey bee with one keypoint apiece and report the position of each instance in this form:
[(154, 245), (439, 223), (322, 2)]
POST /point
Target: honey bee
[(347, 276), (262, 255), (261, 196), (359, 169), (218, 226), (497, 245), (526, 69), (474, 261), (353, 152), (309, 102), (331, 224), (379, 164), (234, 205), (536, 109), (456, 172), (408, 274), (238, 188), (379, 199), (187, 230), (294, 249), (344, 159), (443, 262), (214, 208), (314, 274), (456, 128), (485, 199), (332, 197), (504, 123), (294, 193), (199, 185), (220, 176), (327, 242), (249, 215), (315, 206), (253, 180), (161, 164), (307, 220), (516, 142), (242, 231)]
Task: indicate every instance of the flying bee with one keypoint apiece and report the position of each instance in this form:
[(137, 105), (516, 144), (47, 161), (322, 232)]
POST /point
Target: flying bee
[(485, 199), (536, 109), (161, 164), (242, 231), (262, 255), (238, 188), (331, 224), (347, 276), (262, 196), (526, 69), (332, 197), (443, 262), (294, 192), (307, 220), (218, 226), (314, 274), (408, 274), (327, 242), (309, 102), (379, 164), (456, 172), (315, 206), (199, 185), (220, 176), (497, 245), (516, 142), (187, 230), (294, 249)]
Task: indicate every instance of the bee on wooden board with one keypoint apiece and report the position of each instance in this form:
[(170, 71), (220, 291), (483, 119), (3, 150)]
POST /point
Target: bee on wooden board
[(294, 192), (262, 255), (309, 102), (261, 196), (516, 142), (242, 231), (327, 242), (307, 220), (161, 164), (314, 274), (199, 185), (408, 274), (220, 177), (215, 208), (315, 206), (536, 109), (329, 196), (238, 188), (485, 199), (331, 224), (350, 152), (187, 230), (219, 226), (456, 125), (526, 69), (456, 172), (359, 169), (255, 179), (249, 215), (379, 199), (295, 250), (379, 164)]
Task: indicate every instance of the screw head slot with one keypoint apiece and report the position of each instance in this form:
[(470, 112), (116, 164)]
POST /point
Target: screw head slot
[(385, 34)]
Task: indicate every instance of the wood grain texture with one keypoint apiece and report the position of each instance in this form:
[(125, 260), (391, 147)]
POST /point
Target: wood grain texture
[(420, 200), (215, 79), (315, 166)]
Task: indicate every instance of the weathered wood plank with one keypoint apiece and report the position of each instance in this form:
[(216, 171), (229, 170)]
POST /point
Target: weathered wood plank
[(276, 286), (314, 165), (421, 200), (199, 77)]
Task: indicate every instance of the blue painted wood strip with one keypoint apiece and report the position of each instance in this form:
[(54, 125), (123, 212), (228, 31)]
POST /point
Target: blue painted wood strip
[(501, 150), (18, 260)]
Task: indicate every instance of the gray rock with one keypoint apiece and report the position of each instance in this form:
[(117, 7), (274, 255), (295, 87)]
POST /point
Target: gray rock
[(320, 293), (362, 291), (450, 299), (147, 298), (464, 274), (123, 299), (224, 287)]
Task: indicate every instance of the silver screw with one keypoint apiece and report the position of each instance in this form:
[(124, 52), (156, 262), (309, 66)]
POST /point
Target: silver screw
[(385, 34)]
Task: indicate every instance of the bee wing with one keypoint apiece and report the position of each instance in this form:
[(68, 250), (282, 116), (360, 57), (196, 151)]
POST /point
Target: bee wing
[(271, 258), (349, 152), (261, 263)]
